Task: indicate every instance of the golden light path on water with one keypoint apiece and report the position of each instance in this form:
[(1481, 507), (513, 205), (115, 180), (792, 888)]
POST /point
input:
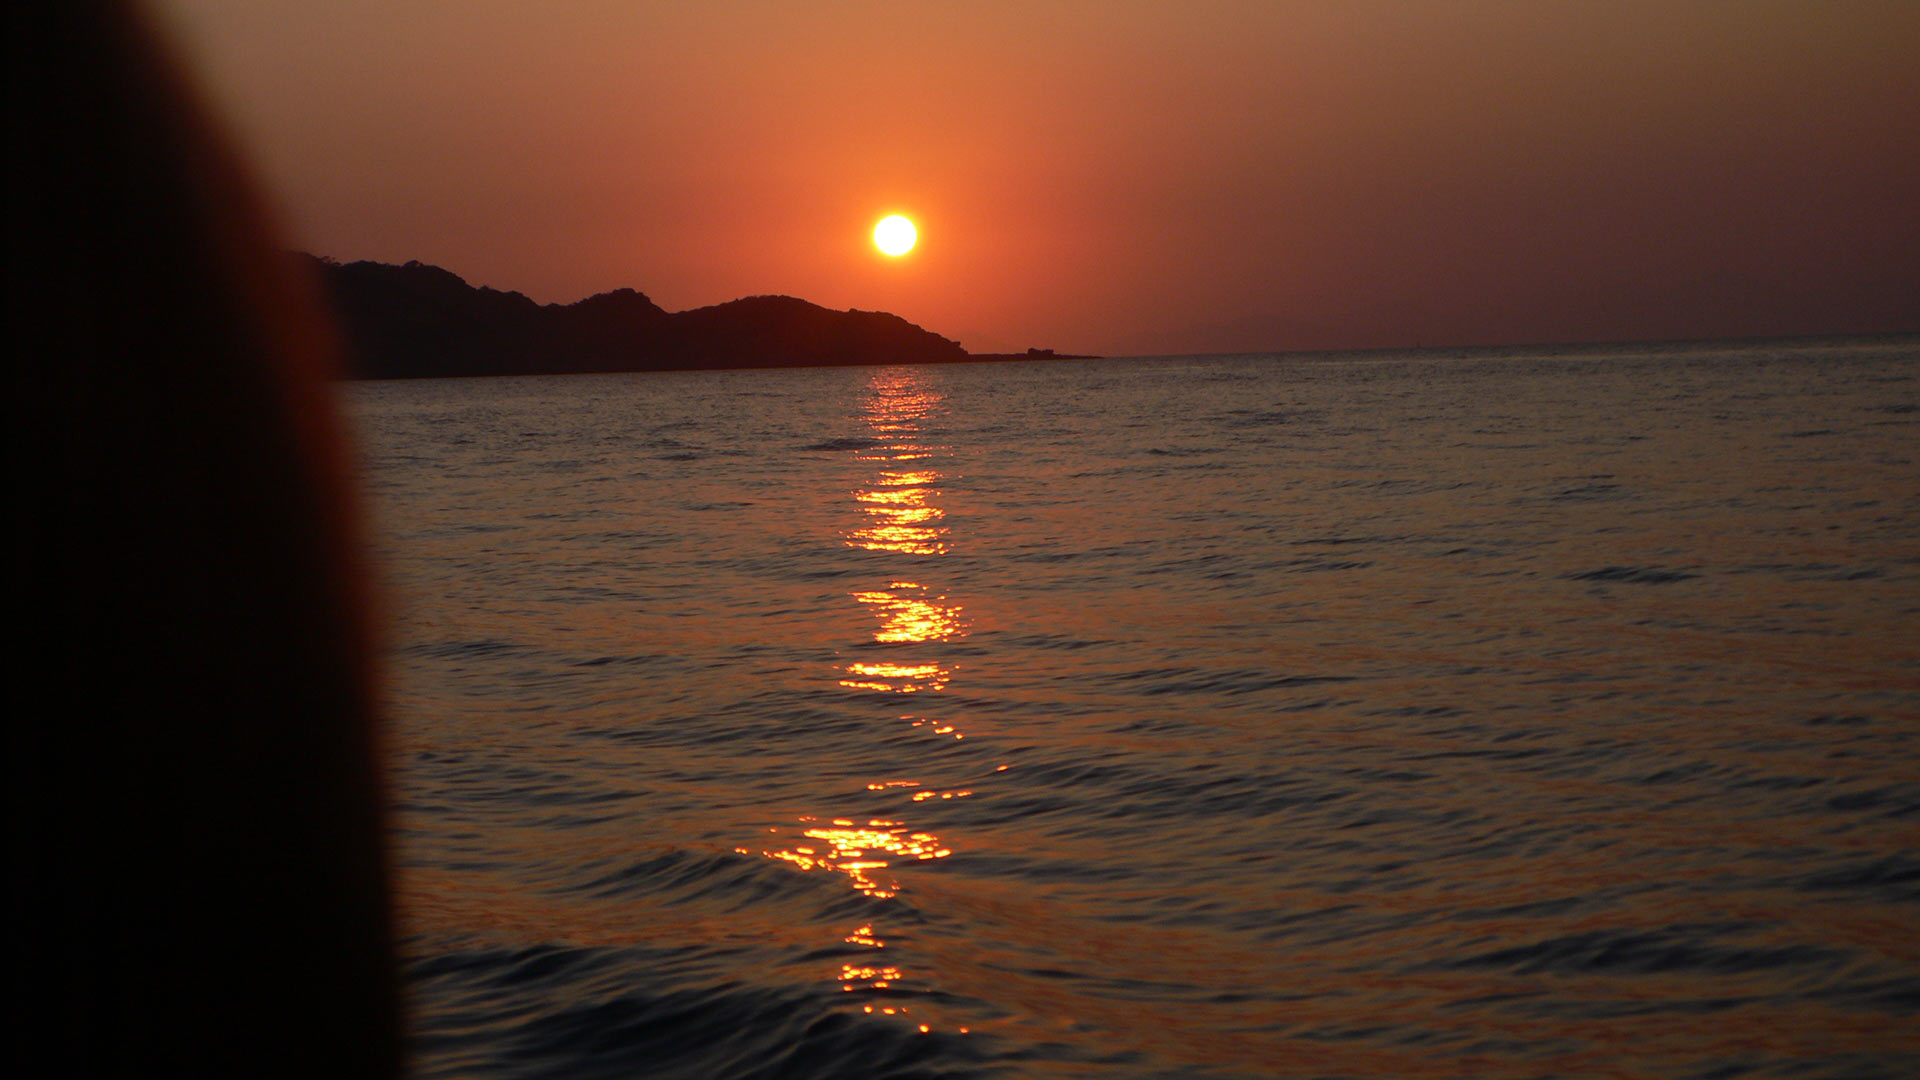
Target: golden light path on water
[(901, 518), (901, 678), (907, 613)]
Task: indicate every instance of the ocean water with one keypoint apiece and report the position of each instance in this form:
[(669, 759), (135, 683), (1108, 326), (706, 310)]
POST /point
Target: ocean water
[(1506, 714)]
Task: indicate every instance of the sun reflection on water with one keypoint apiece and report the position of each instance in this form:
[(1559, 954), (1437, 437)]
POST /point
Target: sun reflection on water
[(893, 536), (908, 613), (896, 678), (899, 516), (859, 851)]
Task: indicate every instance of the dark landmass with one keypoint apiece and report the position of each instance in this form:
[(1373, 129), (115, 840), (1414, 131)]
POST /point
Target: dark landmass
[(1032, 354), (420, 321)]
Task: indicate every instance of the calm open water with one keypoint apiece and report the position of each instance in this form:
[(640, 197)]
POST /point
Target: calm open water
[(1505, 714)]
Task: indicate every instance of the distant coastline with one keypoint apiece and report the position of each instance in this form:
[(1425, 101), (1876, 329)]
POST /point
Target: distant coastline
[(421, 321), (1537, 349)]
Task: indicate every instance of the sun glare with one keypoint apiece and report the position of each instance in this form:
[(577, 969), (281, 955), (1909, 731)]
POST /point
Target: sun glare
[(895, 235)]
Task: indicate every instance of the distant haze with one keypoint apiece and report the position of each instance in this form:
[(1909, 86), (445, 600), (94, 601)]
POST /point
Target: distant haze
[(1110, 176)]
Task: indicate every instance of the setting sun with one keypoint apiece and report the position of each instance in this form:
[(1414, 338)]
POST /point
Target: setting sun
[(895, 235)]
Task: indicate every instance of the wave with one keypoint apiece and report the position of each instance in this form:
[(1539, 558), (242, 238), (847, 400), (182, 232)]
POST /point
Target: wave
[(553, 1010)]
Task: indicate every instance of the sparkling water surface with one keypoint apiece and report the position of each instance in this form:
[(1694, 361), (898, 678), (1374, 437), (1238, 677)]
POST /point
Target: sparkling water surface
[(1500, 714)]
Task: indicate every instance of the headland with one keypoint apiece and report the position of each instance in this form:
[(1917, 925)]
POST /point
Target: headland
[(421, 321)]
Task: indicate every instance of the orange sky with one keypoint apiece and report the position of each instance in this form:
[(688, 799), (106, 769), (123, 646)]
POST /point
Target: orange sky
[(1112, 176)]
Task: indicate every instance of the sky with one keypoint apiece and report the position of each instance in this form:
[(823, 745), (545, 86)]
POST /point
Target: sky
[(1115, 177)]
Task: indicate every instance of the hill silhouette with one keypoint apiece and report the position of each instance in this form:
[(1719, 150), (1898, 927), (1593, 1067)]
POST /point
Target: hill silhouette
[(420, 321)]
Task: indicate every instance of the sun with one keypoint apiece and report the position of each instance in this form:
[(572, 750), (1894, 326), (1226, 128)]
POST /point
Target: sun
[(895, 235)]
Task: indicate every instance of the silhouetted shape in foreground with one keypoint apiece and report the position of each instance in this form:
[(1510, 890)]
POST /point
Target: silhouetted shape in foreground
[(196, 844)]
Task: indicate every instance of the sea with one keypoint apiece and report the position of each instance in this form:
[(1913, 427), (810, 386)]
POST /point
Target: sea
[(1546, 712)]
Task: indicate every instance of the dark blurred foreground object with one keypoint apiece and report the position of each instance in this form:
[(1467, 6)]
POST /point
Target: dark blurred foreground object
[(197, 870)]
